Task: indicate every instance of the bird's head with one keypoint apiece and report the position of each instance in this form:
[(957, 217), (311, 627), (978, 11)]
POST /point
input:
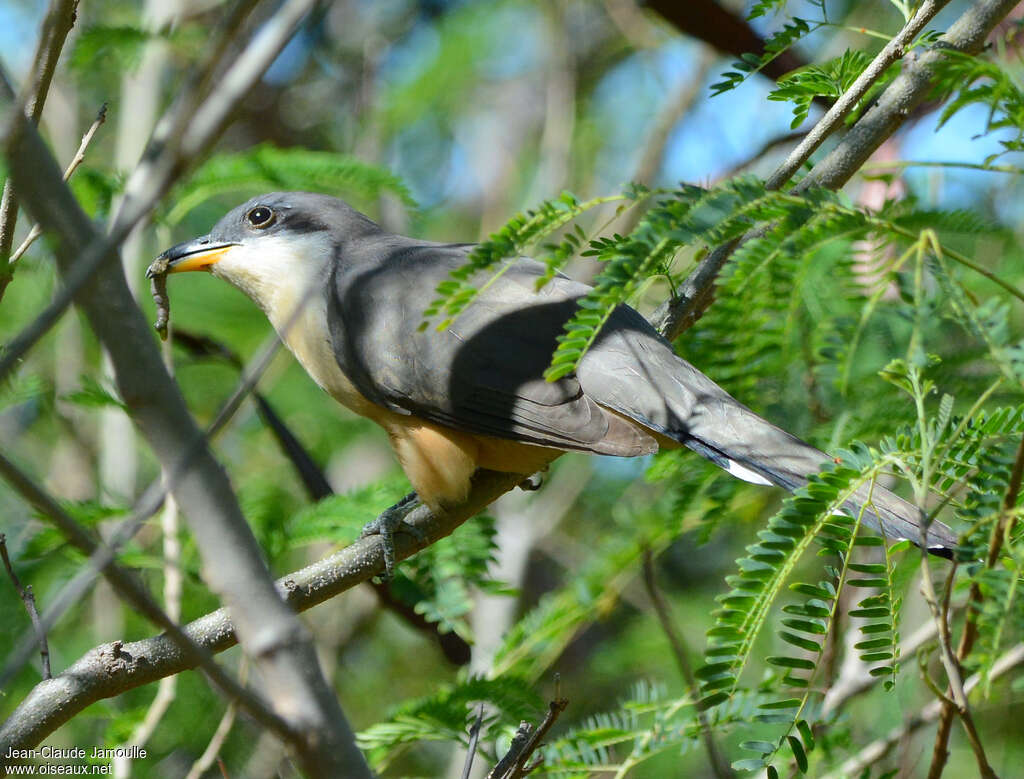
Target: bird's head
[(272, 243)]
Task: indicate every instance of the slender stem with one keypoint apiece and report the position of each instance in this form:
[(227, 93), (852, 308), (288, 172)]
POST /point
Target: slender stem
[(474, 739), (878, 749), (833, 118), (901, 164), (29, 599), (555, 708), (60, 18), (940, 750), (719, 766), (69, 171), (134, 593), (220, 735)]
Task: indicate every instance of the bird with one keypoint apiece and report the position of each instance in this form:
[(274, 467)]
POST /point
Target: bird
[(347, 298)]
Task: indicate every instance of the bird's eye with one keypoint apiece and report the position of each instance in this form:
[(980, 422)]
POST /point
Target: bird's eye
[(260, 216)]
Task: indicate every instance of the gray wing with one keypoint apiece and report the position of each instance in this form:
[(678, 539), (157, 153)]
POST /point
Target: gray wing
[(484, 374)]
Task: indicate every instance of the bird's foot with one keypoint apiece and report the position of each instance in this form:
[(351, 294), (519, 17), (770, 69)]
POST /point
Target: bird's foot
[(533, 482), (389, 522)]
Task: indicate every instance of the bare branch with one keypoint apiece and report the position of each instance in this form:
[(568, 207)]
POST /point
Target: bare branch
[(90, 679), (958, 701), (908, 90), (29, 599), (718, 764), (940, 750), (515, 748), (60, 18), (134, 593), (555, 708), (878, 749), (69, 171), (833, 118), (270, 631)]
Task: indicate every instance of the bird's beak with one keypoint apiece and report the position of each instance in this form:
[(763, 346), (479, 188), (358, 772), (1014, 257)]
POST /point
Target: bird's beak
[(197, 254)]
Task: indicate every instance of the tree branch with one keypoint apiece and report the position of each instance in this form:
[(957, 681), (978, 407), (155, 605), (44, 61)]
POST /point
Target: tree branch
[(29, 599), (234, 567), (78, 159), (940, 750), (833, 118), (60, 18), (92, 677), (909, 89), (878, 749), (134, 593), (719, 766)]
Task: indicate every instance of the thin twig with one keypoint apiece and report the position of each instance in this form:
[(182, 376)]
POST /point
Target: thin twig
[(719, 766), (958, 699), (764, 149), (474, 739), (69, 171), (60, 18), (943, 164), (833, 118), (515, 749), (940, 750), (173, 581), (878, 749), (945, 641), (29, 599), (134, 593), (555, 708), (220, 735), (909, 89)]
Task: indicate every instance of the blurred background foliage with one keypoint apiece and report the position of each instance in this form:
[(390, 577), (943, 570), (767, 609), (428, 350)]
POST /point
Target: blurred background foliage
[(443, 119)]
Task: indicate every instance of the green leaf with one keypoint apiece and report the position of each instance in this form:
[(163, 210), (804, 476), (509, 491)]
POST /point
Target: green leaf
[(266, 167), (790, 662), (798, 753), (94, 395)]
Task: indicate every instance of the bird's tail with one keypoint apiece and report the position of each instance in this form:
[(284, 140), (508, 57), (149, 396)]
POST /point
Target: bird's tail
[(766, 454)]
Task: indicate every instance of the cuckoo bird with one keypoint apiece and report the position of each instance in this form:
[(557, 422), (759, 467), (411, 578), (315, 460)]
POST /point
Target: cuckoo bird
[(347, 298)]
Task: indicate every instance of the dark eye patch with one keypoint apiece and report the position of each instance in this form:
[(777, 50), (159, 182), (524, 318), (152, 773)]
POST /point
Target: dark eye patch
[(260, 216)]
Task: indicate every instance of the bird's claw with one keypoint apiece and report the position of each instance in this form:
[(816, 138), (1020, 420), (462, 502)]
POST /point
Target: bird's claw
[(389, 522)]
